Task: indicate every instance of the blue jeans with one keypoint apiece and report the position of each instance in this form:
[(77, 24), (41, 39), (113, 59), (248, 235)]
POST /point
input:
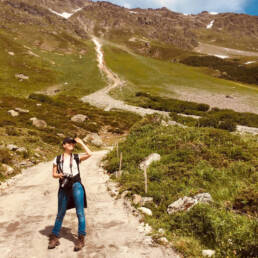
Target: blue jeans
[(63, 198)]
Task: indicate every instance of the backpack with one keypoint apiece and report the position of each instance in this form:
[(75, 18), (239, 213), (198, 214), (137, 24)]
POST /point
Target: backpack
[(58, 162)]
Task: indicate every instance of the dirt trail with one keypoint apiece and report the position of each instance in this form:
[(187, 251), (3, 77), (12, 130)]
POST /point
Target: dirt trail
[(210, 49), (102, 99), (28, 209)]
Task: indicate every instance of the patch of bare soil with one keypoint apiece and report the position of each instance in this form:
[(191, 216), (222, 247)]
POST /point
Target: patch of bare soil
[(51, 91), (210, 49), (233, 101)]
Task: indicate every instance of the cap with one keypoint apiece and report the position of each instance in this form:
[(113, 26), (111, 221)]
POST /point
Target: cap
[(68, 140)]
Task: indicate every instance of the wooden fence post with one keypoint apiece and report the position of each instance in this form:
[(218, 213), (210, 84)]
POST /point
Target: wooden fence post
[(120, 164), (145, 179), (117, 152)]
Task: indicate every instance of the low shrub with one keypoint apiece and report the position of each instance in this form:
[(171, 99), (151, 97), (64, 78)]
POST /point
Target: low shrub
[(229, 234), (5, 156), (41, 98), (247, 201), (12, 131), (229, 69), (193, 160), (228, 125)]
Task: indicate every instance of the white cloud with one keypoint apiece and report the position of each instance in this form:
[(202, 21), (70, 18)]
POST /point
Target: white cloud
[(187, 6)]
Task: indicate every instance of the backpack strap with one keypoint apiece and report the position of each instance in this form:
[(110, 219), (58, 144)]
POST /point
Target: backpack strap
[(77, 159), (58, 162)]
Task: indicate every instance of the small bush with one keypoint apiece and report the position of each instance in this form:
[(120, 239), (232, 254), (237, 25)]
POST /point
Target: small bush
[(5, 156), (50, 139), (12, 131), (229, 234), (228, 125), (209, 122), (41, 98), (247, 201)]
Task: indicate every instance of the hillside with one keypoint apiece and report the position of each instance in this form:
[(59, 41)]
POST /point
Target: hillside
[(137, 81)]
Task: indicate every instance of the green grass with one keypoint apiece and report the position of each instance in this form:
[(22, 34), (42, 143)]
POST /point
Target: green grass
[(164, 78), (57, 112), (209, 117), (195, 160), (63, 66), (229, 69)]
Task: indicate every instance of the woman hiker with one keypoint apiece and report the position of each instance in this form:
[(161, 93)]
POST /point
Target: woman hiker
[(71, 192)]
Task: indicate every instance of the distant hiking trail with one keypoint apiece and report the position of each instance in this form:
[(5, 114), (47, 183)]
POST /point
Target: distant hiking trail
[(28, 207), (102, 99)]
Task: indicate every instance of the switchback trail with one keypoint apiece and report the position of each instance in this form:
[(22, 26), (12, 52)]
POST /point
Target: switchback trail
[(28, 209), (102, 99)]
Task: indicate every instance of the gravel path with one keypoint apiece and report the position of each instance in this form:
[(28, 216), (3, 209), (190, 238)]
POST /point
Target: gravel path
[(28, 207)]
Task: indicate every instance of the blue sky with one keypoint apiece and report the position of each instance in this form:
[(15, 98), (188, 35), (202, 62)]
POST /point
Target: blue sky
[(195, 6)]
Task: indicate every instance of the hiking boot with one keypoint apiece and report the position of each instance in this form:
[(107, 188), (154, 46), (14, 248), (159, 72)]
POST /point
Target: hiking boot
[(80, 243), (53, 241)]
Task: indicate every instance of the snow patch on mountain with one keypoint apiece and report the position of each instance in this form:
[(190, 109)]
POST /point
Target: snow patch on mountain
[(209, 26), (65, 15), (250, 62), (221, 56)]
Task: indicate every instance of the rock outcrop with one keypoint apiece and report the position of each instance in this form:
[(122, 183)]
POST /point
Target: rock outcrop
[(186, 203)]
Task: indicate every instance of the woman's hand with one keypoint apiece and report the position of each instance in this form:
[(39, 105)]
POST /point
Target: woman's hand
[(60, 175), (78, 140)]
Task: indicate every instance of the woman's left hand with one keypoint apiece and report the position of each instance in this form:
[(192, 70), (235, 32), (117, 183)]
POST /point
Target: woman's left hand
[(78, 140)]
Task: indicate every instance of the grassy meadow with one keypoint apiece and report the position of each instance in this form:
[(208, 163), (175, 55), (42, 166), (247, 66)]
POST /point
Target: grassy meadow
[(165, 78), (195, 160), (63, 62), (56, 112)]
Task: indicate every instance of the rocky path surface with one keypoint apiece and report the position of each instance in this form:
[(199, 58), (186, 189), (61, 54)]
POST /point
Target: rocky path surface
[(28, 208)]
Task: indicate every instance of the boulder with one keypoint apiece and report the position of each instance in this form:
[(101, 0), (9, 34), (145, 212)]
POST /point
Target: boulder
[(79, 118), (21, 76), (163, 240), (94, 138), (21, 110), (144, 228), (181, 204), (186, 203), (36, 154), (147, 161), (7, 169), (145, 211), (13, 113), (203, 198), (38, 123), (145, 200), (21, 150), (136, 199), (26, 163), (12, 147), (161, 231), (124, 194), (208, 253)]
